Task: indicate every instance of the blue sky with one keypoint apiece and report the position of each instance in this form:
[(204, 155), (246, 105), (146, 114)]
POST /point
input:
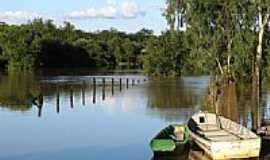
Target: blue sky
[(89, 15)]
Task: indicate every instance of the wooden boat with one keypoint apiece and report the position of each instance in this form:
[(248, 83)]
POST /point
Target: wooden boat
[(175, 137), (222, 138)]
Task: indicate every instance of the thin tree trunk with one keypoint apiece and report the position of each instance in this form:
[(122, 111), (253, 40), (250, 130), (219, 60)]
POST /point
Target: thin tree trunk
[(229, 74), (172, 24), (220, 67), (256, 76), (178, 16)]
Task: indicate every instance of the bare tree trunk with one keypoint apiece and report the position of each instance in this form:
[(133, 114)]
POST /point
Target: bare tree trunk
[(220, 67), (172, 24), (256, 76), (178, 15), (229, 47)]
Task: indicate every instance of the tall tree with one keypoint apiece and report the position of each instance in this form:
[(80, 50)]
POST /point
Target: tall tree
[(174, 13), (262, 8), (215, 29)]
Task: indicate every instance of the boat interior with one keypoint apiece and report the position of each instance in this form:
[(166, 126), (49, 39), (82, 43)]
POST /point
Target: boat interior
[(217, 128), (175, 132)]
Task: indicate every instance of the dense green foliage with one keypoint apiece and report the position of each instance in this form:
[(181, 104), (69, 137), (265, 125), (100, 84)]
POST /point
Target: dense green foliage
[(217, 37), (41, 44), (219, 32), (164, 55), (204, 37)]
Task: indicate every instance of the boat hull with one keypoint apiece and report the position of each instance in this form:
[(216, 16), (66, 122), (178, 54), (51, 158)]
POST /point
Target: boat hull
[(164, 144), (229, 150), (242, 143)]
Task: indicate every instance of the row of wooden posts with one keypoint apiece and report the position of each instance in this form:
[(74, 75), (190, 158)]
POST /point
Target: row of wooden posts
[(94, 84)]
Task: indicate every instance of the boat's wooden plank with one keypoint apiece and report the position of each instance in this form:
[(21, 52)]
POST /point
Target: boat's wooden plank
[(216, 133), (222, 138), (236, 129), (220, 135), (208, 127)]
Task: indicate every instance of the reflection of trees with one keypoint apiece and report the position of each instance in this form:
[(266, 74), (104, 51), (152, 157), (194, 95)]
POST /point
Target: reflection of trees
[(222, 99), (17, 90), (244, 100), (170, 94), (247, 112), (229, 106), (172, 99), (234, 102)]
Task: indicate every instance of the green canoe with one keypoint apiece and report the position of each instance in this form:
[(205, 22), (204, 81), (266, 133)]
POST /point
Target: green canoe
[(166, 140)]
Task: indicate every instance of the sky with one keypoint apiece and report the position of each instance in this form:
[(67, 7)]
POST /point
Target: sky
[(89, 15)]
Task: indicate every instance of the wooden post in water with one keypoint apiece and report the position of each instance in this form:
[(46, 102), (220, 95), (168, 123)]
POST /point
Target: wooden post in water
[(133, 82), (38, 101), (112, 86), (127, 82), (58, 101), (39, 111), (103, 88), (40, 105), (83, 93), (71, 97), (94, 90), (120, 87)]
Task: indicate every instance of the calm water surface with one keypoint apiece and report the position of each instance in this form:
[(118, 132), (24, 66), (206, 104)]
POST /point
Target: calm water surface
[(72, 124)]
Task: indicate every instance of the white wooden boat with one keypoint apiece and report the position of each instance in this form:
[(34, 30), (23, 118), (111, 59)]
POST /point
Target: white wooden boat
[(222, 138)]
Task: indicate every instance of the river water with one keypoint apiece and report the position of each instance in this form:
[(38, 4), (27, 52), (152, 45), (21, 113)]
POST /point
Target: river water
[(76, 122)]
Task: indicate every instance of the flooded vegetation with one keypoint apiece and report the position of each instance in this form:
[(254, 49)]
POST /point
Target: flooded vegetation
[(65, 116), (211, 56)]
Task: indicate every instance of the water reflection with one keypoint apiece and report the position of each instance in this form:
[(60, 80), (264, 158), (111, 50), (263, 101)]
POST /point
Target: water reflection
[(229, 104), (78, 111), (175, 99), (170, 94), (17, 91)]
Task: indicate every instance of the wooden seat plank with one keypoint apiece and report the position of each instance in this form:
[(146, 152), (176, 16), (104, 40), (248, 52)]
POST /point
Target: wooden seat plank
[(208, 127)]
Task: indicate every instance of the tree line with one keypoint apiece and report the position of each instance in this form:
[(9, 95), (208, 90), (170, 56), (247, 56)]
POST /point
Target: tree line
[(41, 44), (229, 38)]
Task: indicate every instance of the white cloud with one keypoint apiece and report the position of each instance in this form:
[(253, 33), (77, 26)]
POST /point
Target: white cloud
[(109, 11), (128, 9), (17, 16)]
